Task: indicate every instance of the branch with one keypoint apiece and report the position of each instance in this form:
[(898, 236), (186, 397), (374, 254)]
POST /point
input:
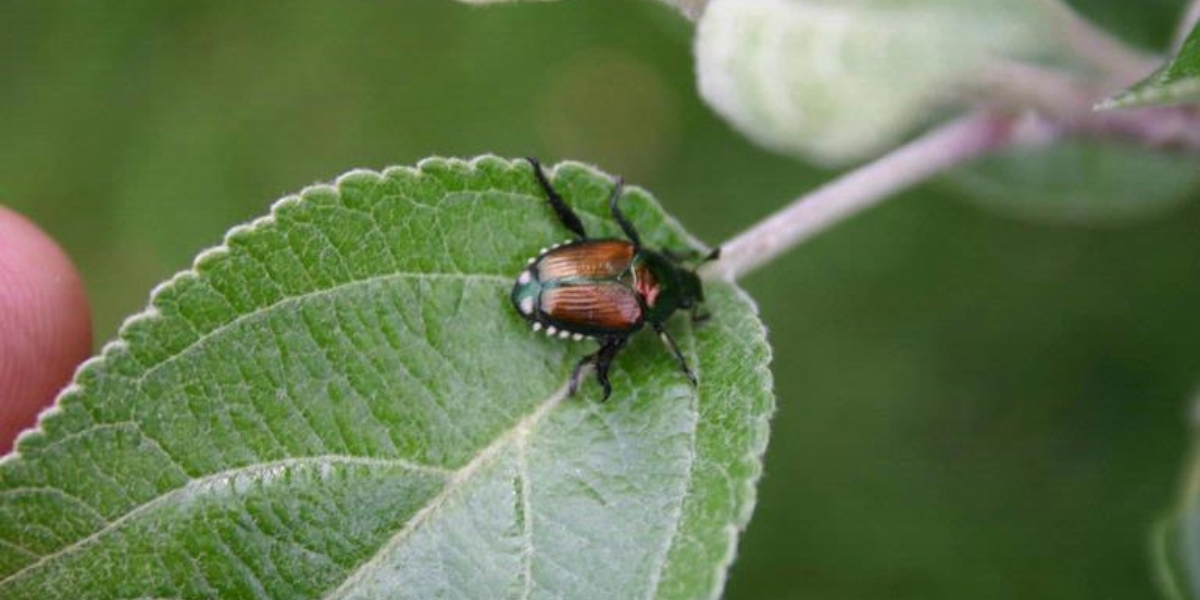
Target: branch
[(1055, 104), (950, 145)]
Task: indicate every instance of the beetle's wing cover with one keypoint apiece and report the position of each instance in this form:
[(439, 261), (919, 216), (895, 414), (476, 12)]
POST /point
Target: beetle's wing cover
[(596, 307), (593, 259)]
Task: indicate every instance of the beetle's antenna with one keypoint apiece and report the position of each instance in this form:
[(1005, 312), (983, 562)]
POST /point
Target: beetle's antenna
[(626, 226), (566, 216), (711, 256)]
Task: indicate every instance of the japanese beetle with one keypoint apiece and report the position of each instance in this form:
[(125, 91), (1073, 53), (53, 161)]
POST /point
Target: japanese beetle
[(604, 289)]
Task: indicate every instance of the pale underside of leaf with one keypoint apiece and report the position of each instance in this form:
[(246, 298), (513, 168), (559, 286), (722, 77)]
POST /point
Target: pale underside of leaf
[(839, 81), (339, 402)]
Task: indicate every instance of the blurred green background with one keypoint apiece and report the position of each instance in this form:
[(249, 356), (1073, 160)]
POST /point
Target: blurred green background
[(970, 405)]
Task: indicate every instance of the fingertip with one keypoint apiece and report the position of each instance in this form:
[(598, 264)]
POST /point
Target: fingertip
[(45, 323)]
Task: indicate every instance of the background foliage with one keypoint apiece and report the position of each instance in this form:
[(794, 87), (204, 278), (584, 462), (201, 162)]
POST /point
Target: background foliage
[(968, 404)]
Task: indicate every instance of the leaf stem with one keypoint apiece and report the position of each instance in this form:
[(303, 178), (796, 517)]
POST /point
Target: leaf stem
[(1053, 104), (950, 145)]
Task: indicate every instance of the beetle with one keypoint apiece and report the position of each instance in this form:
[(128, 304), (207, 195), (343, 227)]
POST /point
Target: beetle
[(604, 289)]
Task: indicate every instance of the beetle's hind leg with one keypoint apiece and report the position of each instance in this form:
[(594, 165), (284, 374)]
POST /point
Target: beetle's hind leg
[(669, 342), (603, 359), (566, 216)]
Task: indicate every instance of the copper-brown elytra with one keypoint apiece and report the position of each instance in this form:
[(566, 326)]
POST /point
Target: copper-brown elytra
[(604, 289)]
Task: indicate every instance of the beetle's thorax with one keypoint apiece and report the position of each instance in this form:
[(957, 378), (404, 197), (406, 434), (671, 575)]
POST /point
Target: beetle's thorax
[(646, 285), (662, 283)]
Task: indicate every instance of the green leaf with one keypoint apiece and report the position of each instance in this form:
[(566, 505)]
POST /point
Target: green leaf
[(1080, 182), (340, 402), (840, 81), (1177, 82)]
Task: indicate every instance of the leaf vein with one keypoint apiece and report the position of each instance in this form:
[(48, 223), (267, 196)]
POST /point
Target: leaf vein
[(76, 500), (317, 293), (19, 549), (165, 497)]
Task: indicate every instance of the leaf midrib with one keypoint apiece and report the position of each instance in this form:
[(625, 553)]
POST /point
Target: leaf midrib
[(516, 435)]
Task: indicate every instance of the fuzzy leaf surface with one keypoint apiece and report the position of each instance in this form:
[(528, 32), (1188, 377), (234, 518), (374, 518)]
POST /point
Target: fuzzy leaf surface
[(835, 82), (340, 402)]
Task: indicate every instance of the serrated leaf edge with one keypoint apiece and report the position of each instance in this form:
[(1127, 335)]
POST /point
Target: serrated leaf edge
[(109, 351), (151, 312), (762, 430)]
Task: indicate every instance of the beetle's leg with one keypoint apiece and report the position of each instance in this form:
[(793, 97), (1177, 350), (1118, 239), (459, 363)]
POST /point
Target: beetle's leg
[(604, 358), (566, 216), (626, 226), (669, 342), (700, 317)]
